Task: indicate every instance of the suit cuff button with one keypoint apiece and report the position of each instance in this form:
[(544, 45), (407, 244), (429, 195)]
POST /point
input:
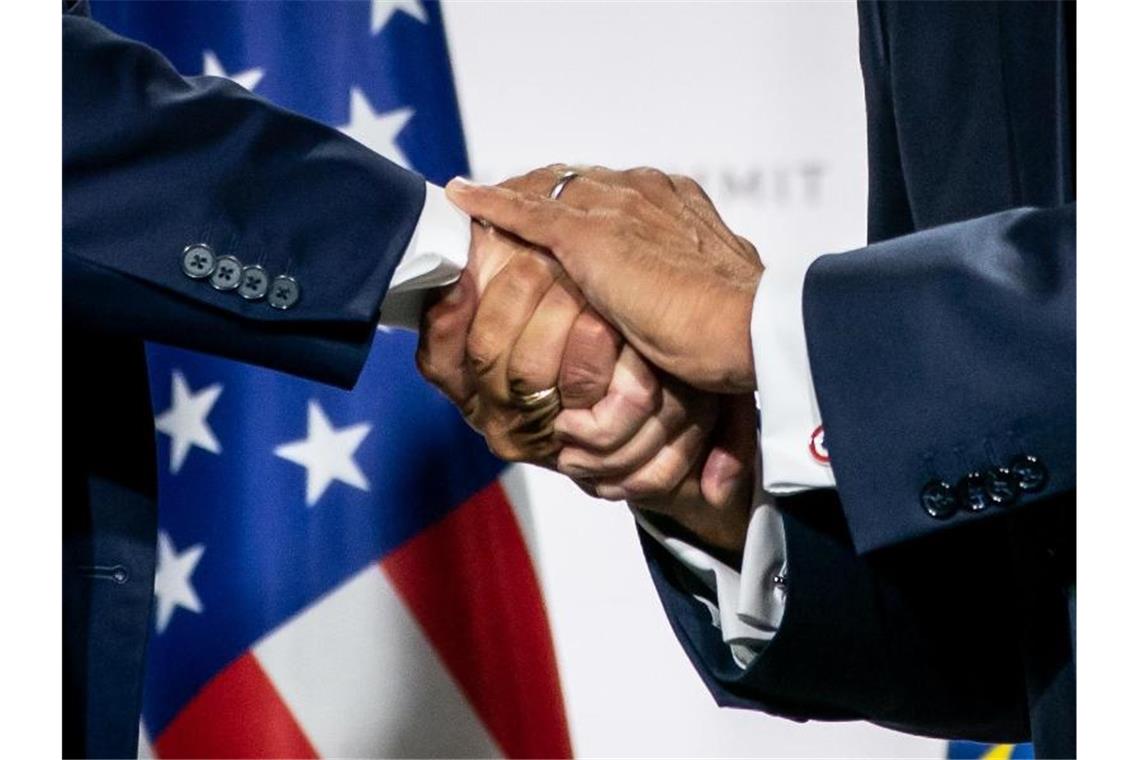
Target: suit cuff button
[(1002, 487), (938, 500), (1030, 472), (254, 283), (198, 261), (284, 292), (227, 274), (972, 492)]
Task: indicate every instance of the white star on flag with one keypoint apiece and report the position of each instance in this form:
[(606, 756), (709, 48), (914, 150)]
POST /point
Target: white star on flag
[(382, 10), (185, 420), (375, 130), (172, 588), (326, 454), (212, 67)]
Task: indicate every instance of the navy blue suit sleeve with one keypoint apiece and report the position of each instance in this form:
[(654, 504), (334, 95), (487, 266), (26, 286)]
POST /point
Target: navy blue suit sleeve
[(154, 162), (942, 353), (885, 638)]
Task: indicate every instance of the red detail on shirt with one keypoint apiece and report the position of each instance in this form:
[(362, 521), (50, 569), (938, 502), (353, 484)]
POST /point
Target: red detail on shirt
[(817, 448)]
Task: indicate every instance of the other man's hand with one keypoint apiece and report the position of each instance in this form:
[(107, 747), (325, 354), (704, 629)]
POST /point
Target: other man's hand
[(651, 254), (515, 325)]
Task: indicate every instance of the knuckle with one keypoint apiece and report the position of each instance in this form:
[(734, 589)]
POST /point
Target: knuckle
[(470, 409), (688, 186), (524, 274), (503, 448), (507, 445), (641, 398), (606, 437), (684, 181), (639, 401), (482, 350), (593, 331), (643, 486), (658, 479), (747, 245), (615, 462), (581, 380), (437, 327), (425, 366), (527, 372), (438, 320), (593, 172), (536, 179), (648, 176)]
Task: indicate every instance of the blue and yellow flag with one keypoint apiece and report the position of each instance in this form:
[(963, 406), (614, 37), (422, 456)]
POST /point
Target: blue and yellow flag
[(979, 751)]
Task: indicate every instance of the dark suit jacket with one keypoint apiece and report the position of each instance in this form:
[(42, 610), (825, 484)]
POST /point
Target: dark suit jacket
[(154, 162), (943, 350)]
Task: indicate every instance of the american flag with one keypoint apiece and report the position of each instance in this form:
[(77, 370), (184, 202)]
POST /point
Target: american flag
[(339, 573)]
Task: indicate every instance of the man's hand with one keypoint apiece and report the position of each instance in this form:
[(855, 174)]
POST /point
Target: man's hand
[(515, 325), (651, 254), (664, 446), (713, 505)]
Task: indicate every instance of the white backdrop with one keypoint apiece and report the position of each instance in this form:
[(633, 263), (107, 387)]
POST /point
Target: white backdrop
[(762, 102)]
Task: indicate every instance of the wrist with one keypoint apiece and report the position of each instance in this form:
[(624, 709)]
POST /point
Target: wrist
[(723, 542), (721, 531), (741, 359)]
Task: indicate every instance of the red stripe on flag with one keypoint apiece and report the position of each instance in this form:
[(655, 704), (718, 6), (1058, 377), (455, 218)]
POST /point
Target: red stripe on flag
[(237, 714), (470, 583)]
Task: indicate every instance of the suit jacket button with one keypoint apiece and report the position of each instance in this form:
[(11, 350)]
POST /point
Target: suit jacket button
[(972, 492), (227, 274), (198, 261), (1002, 487), (938, 499), (284, 292), (254, 283), (1031, 474)]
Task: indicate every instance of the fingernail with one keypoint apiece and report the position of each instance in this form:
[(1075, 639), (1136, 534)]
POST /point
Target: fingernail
[(459, 183), (725, 489), (588, 487), (566, 464), (611, 493), (571, 470)]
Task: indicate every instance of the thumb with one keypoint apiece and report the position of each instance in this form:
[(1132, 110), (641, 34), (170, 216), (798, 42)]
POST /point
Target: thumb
[(442, 352), (729, 470)]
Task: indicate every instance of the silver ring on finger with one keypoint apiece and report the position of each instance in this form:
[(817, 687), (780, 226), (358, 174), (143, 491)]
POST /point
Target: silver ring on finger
[(564, 179)]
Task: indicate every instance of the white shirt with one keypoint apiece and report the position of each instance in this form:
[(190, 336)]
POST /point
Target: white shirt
[(435, 256), (749, 604)]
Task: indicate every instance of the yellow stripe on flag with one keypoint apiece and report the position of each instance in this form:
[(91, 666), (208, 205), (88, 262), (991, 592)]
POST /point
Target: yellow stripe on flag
[(999, 752)]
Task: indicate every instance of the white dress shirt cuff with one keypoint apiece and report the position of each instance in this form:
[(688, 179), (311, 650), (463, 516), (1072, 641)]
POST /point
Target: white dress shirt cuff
[(435, 257), (791, 432), (749, 604)]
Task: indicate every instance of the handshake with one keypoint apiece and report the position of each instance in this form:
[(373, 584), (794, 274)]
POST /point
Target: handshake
[(601, 329)]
